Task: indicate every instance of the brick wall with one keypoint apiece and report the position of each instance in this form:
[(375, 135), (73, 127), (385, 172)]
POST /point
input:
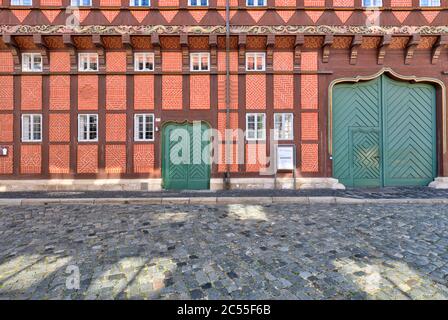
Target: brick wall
[(179, 92)]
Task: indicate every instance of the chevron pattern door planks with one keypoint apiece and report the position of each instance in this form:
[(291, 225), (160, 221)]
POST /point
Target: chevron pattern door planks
[(384, 133), (409, 133), (183, 164)]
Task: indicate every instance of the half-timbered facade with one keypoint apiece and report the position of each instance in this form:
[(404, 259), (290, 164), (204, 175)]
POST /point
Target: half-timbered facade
[(89, 95)]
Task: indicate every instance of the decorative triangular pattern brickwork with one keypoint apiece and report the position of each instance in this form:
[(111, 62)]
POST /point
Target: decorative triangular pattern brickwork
[(21, 14), (430, 16), (401, 15), (51, 14), (139, 15), (110, 15), (81, 15), (285, 14), (314, 15), (223, 14), (256, 14), (168, 15), (344, 15), (198, 15)]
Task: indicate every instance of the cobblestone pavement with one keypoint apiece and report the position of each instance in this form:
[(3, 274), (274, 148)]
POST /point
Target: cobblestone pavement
[(366, 193), (227, 251)]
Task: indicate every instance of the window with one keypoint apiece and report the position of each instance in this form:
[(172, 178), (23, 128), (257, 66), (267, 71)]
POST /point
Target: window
[(372, 3), (88, 62), (88, 127), (430, 3), (81, 3), (255, 126), (144, 127), (144, 61), (31, 127), (31, 62), (198, 3), (21, 2), (140, 3), (255, 61), (199, 61), (255, 3), (283, 126)]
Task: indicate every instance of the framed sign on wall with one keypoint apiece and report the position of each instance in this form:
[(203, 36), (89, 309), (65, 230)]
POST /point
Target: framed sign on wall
[(285, 157)]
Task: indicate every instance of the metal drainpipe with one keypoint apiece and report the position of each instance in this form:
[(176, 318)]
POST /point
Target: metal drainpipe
[(227, 174)]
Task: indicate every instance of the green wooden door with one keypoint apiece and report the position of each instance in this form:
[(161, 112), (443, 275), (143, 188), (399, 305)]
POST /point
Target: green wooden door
[(409, 133), (384, 133), (186, 156)]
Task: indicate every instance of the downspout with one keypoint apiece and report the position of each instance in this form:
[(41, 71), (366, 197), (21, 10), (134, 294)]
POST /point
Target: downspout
[(227, 142)]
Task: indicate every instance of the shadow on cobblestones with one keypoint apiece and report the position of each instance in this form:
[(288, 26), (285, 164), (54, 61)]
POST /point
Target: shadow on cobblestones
[(226, 252)]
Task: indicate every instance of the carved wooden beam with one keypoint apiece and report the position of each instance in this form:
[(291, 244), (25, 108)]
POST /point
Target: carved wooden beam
[(410, 48), (437, 48), (298, 45), (98, 43), (127, 44), (387, 38), (155, 42), (68, 42), (213, 43), (39, 42), (356, 43), (185, 52), (242, 40), (326, 48), (270, 43), (14, 48)]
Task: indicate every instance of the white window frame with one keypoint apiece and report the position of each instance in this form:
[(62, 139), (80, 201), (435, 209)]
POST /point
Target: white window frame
[(372, 3), (81, 130), (87, 55), (31, 129), (256, 122), (200, 55), (22, 3), (256, 55), (145, 56), (256, 3), (138, 3), (29, 66), (81, 3), (136, 126), (280, 135), (430, 3), (198, 3)]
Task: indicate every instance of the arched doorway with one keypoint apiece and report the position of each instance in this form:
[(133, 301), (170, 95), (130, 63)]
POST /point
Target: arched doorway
[(384, 133), (186, 156)]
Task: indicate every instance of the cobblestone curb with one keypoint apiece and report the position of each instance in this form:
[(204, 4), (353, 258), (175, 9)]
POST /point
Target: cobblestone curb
[(217, 200)]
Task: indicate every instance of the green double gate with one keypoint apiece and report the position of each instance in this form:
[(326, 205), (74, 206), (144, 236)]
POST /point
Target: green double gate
[(384, 133), (186, 156)]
